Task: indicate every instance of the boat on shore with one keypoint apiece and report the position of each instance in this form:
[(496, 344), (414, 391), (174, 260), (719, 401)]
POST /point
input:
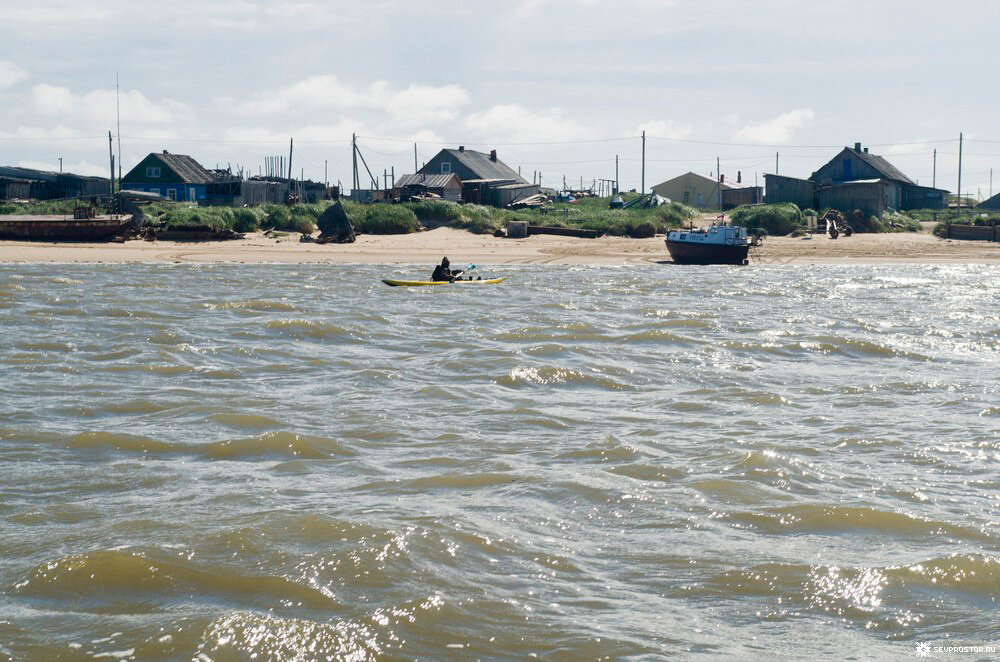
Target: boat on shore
[(82, 225), (718, 244)]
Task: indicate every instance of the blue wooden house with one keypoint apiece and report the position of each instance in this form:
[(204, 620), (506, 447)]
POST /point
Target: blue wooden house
[(174, 176)]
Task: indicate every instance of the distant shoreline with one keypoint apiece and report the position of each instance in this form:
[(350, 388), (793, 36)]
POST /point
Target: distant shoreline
[(463, 247)]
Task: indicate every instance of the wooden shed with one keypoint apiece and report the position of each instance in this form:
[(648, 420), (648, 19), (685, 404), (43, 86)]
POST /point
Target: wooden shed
[(446, 186), (871, 196), (780, 189)]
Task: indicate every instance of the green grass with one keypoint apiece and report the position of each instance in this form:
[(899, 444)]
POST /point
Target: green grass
[(40, 207), (588, 213), (779, 220)]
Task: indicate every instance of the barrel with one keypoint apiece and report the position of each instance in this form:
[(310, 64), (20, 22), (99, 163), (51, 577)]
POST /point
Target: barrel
[(517, 229)]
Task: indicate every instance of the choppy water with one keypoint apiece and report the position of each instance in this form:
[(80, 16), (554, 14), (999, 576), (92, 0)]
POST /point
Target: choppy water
[(299, 462)]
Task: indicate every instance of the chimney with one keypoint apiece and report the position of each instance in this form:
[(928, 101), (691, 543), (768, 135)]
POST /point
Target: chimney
[(739, 177), (866, 150), (722, 179), (493, 155), (165, 152), (857, 147), (461, 148)]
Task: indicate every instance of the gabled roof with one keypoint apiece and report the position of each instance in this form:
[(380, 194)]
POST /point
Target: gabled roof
[(189, 170), (883, 167), (430, 181), (483, 165), (727, 185)]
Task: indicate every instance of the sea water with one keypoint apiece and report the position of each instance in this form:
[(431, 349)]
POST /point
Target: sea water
[(298, 462)]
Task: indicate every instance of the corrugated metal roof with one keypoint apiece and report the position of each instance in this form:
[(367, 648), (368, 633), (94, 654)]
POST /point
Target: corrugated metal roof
[(430, 181), (483, 166), (859, 181)]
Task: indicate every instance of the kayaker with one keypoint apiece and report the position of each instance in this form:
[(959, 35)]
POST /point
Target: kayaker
[(443, 271)]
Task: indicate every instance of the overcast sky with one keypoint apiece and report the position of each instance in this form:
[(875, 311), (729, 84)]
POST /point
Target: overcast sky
[(231, 82)]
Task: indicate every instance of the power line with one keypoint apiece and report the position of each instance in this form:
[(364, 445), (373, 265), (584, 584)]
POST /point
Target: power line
[(495, 144)]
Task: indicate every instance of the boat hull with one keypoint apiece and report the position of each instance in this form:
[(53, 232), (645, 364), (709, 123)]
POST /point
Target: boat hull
[(683, 252), (40, 228), (425, 283)]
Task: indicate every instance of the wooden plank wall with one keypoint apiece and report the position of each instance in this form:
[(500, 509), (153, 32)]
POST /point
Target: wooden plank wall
[(980, 232)]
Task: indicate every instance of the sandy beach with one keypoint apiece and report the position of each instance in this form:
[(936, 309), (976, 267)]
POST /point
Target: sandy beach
[(460, 246)]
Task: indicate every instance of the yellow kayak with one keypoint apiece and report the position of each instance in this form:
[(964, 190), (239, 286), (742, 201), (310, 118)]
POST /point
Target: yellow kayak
[(421, 283)]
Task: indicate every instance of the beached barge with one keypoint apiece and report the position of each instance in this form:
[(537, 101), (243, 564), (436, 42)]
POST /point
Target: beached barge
[(83, 225)]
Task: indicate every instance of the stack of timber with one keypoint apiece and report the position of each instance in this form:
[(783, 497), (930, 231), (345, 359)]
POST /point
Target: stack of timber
[(194, 234), (980, 232), (564, 232)]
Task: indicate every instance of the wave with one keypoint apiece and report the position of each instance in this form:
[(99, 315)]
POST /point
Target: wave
[(115, 575), (279, 444), (257, 305), (813, 518), (551, 375), (302, 328)]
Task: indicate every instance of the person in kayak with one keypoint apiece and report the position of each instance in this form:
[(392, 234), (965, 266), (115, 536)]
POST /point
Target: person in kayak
[(443, 271)]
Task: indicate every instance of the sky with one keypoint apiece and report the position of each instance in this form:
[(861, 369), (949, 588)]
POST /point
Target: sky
[(559, 87)]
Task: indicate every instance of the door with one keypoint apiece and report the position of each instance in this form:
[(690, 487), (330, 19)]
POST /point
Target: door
[(192, 196)]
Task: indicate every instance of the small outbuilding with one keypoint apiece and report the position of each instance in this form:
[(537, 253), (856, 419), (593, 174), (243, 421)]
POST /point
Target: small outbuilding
[(445, 186)]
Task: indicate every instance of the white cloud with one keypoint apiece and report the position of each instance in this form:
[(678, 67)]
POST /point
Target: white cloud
[(513, 122), (777, 131), (99, 106), (662, 129), (11, 74), (414, 105)]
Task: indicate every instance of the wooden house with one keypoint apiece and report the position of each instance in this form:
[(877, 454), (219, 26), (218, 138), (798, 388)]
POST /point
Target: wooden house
[(702, 191), (174, 176)]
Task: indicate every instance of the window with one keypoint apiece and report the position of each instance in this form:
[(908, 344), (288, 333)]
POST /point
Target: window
[(155, 190), (445, 167), (192, 194), (152, 173), (687, 196), (172, 193), (700, 200)]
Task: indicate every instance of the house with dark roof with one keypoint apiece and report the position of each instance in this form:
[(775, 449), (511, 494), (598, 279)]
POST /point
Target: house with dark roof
[(174, 176), (470, 164), (485, 179), (855, 180)]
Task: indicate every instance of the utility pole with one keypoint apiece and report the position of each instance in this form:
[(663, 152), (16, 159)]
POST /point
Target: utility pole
[(643, 191), (290, 145), (991, 182), (393, 173), (718, 171), (776, 163), (118, 113), (934, 180), (959, 173), (60, 164), (111, 158), (564, 182), (414, 159), (354, 156), (326, 178), (617, 183)]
